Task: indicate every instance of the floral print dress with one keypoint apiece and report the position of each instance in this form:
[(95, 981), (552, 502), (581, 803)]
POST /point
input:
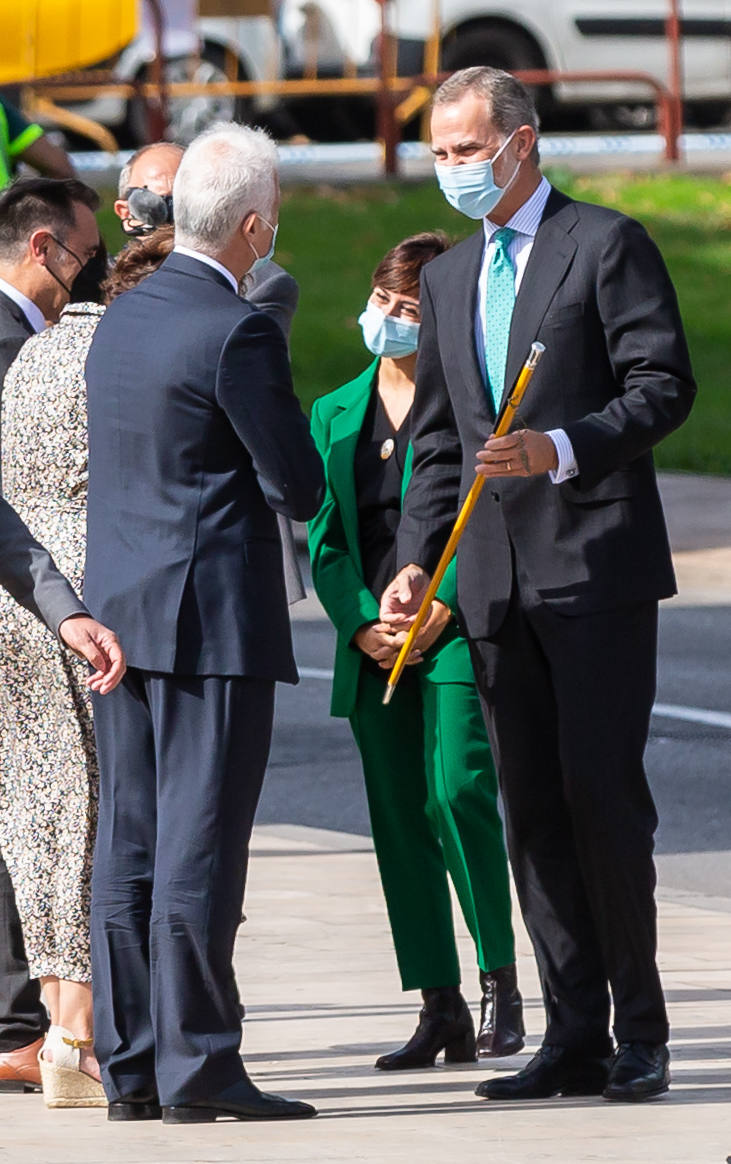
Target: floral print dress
[(48, 769)]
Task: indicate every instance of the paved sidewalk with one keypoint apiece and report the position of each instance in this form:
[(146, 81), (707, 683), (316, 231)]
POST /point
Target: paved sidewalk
[(316, 968), (317, 972)]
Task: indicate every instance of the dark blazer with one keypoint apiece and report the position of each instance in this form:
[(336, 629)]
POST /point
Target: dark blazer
[(615, 375), (14, 331), (337, 570), (195, 438), (274, 291), (28, 572)]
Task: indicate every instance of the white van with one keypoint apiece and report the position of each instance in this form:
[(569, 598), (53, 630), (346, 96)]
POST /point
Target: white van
[(567, 35)]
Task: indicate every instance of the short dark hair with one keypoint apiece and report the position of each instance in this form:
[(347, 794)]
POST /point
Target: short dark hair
[(400, 268), (37, 203)]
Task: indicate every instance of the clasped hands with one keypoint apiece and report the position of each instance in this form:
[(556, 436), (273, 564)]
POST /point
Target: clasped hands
[(383, 640)]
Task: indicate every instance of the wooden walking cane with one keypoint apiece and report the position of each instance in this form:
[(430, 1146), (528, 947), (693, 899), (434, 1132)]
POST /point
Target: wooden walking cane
[(503, 423)]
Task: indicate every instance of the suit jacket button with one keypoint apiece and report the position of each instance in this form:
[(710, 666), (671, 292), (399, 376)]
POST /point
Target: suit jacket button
[(495, 495)]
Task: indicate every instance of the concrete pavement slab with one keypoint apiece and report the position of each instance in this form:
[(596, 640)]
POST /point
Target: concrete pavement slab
[(316, 969)]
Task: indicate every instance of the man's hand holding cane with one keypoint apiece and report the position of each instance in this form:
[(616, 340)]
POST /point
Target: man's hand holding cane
[(519, 454)]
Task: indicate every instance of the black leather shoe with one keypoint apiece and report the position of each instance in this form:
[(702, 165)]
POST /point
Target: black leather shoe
[(638, 1071), (241, 1101), (551, 1071), (142, 1104), (445, 1024), (501, 1014)]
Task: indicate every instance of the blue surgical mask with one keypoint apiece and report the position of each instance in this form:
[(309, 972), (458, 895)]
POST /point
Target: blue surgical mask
[(260, 260), (471, 188), (385, 335)]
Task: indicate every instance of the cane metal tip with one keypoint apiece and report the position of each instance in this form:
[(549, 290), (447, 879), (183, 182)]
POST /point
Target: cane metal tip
[(388, 693)]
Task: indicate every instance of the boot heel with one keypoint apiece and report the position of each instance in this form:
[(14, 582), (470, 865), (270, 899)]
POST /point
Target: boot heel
[(461, 1050), (189, 1115)]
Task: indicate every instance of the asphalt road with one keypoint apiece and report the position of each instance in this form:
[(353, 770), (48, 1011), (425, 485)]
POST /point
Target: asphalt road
[(314, 776)]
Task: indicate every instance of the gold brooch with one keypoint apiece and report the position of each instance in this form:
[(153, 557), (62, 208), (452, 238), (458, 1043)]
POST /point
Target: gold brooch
[(387, 448)]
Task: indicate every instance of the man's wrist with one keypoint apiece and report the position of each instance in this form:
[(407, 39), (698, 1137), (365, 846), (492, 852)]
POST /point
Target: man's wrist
[(567, 466)]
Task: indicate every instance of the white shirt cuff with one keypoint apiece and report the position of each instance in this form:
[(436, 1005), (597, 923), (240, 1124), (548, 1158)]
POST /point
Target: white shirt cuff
[(567, 466)]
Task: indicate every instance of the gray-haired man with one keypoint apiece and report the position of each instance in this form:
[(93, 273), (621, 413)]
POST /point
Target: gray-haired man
[(195, 439)]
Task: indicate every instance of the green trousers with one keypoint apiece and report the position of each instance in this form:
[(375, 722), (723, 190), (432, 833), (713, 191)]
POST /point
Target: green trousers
[(432, 795)]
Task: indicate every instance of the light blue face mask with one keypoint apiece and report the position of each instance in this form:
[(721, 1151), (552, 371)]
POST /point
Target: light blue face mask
[(385, 335), (471, 188), (260, 260)]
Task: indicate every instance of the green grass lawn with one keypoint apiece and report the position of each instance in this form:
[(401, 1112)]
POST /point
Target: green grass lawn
[(331, 239)]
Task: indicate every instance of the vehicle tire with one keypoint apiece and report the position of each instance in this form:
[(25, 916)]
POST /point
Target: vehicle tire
[(189, 116), (500, 46), (637, 116)]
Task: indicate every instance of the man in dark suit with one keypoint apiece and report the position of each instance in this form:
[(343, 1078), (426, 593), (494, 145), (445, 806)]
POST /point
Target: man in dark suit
[(196, 438), (561, 565), (47, 233), (145, 202)]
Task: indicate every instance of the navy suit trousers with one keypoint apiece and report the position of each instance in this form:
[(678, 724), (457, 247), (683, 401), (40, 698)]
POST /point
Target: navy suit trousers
[(182, 760)]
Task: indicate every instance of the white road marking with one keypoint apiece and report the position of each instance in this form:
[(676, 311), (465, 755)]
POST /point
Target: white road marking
[(693, 714), (667, 710), (316, 673)]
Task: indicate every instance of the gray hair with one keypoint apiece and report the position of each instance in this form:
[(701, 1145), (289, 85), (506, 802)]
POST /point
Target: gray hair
[(509, 102), (226, 173), (126, 171)]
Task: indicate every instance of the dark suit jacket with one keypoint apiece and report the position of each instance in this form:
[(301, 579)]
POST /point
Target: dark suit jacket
[(274, 291), (615, 375), (195, 438), (14, 331)]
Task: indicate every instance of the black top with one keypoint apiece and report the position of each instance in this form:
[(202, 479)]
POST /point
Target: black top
[(378, 480)]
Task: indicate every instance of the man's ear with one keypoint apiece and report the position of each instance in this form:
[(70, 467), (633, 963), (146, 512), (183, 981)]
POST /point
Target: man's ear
[(248, 224), (525, 137), (121, 209), (38, 244)]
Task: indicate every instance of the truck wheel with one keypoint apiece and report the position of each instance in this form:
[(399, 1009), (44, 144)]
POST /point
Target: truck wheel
[(189, 116), (500, 47)]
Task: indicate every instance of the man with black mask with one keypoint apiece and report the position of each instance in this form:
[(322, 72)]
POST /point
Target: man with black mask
[(48, 233), (145, 203)]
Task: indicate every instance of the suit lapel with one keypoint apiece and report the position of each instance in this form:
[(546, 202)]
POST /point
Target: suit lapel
[(344, 432), (461, 296), (550, 258)]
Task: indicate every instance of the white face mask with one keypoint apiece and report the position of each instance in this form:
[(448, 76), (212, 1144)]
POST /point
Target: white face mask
[(260, 260), (471, 188), (385, 335)]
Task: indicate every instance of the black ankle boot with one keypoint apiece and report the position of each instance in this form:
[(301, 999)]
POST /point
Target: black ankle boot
[(501, 1015), (445, 1023)]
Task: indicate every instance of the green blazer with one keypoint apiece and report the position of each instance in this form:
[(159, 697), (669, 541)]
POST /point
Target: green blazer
[(337, 570)]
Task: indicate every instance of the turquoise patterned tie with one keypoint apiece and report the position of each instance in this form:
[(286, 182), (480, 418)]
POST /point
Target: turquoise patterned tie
[(498, 312)]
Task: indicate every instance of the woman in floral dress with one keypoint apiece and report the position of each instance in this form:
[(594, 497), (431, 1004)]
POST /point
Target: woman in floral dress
[(48, 768)]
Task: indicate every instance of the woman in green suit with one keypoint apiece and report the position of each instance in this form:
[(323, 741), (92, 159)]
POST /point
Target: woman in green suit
[(430, 780)]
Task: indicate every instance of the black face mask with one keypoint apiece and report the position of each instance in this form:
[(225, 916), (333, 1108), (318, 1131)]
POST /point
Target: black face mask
[(150, 211), (73, 254), (86, 287)]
